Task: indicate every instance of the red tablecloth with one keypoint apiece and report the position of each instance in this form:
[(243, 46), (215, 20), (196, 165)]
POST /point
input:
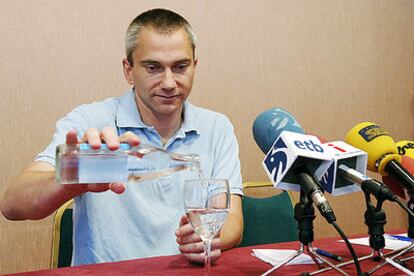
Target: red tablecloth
[(237, 261)]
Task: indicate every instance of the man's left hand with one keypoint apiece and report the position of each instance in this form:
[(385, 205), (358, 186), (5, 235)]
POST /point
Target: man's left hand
[(191, 244)]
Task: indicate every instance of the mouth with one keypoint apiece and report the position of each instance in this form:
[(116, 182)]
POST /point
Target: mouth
[(167, 96)]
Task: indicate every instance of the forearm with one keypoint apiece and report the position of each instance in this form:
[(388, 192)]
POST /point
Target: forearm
[(232, 231), (33, 195)]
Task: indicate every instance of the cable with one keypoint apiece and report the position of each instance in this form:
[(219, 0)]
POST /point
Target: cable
[(405, 207), (351, 249)]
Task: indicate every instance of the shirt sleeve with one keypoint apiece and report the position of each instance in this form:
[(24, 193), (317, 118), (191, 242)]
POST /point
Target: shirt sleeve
[(72, 121), (227, 162), (97, 115)]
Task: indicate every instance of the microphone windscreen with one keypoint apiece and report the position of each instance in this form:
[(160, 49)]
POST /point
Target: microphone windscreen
[(270, 123), (408, 163), (405, 147), (395, 186), (376, 141)]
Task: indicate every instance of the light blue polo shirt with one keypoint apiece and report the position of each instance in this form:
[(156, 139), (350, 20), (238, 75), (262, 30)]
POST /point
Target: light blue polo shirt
[(142, 221)]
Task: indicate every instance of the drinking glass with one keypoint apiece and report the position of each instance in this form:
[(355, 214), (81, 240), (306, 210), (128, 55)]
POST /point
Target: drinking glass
[(206, 203)]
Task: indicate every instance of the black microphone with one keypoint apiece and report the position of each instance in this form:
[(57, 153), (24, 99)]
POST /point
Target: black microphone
[(368, 185), (312, 189), (349, 166)]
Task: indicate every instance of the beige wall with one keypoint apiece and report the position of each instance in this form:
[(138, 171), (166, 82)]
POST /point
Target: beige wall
[(331, 63)]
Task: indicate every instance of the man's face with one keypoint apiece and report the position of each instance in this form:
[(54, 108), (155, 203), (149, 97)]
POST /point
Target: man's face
[(163, 72)]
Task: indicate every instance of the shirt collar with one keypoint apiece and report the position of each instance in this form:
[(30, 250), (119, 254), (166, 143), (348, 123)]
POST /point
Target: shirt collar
[(128, 115), (190, 120)]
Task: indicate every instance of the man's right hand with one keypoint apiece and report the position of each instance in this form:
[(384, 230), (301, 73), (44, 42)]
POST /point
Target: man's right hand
[(95, 139), (35, 195)]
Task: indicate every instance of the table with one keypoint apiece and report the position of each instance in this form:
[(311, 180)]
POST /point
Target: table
[(236, 261)]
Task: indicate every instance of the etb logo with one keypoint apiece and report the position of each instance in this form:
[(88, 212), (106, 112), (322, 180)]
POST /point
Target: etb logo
[(276, 161), (308, 145)]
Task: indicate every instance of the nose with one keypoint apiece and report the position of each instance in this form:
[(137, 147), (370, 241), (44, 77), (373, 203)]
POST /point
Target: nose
[(168, 81)]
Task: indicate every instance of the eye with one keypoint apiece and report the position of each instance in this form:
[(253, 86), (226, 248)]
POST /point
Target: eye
[(181, 67), (153, 68)]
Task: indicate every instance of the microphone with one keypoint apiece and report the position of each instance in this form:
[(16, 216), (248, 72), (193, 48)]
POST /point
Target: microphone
[(374, 216), (349, 167), (368, 184), (408, 164), (270, 123), (405, 147), (394, 185), (340, 172), (342, 154), (292, 156), (382, 152)]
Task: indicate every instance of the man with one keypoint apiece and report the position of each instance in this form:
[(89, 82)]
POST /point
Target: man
[(139, 220)]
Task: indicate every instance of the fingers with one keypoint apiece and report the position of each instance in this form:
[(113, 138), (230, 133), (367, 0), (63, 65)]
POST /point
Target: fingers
[(117, 188), (198, 246), (92, 137), (191, 245), (183, 220), (72, 137), (110, 137), (97, 188), (200, 257), (78, 189), (188, 239), (130, 138), (95, 138), (83, 188), (185, 233)]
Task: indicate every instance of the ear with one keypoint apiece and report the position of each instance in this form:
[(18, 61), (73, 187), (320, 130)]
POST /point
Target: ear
[(195, 62), (127, 68)]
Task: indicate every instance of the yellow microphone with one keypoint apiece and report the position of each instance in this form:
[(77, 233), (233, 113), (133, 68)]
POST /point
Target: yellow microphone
[(376, 142), (405, 147), (382, 152)]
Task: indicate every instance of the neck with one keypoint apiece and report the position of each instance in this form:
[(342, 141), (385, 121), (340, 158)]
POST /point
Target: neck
[(166, 125)]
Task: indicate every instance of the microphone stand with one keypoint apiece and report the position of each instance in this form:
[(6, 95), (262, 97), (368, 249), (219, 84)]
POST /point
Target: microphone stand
[(304, 215), (375, 219), (410, 234)]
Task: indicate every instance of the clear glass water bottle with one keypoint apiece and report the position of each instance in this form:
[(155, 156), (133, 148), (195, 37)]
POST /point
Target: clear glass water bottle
[(79, 164)]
